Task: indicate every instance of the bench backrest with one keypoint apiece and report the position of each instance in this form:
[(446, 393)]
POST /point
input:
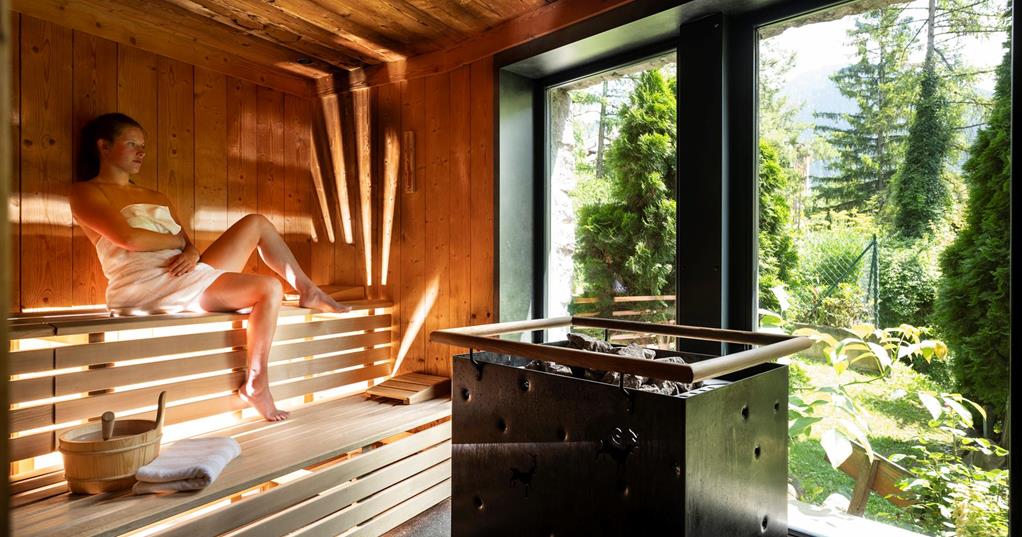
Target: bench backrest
[(70, 369)]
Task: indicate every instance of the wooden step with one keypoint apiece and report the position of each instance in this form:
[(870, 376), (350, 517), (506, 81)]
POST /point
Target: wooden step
[(412, 388)]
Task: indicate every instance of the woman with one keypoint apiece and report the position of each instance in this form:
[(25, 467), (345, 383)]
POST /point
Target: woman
[(152, 266)]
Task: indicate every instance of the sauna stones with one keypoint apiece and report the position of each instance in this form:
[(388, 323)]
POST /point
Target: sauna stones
[(635, 382)]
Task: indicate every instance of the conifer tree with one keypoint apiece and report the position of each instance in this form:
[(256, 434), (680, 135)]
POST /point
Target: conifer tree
[(973, 309), (777, 255), (921, 194), (627, 245), (870, 141)]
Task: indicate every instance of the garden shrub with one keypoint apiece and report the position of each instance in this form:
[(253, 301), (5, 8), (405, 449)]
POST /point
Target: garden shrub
[(908, 281)]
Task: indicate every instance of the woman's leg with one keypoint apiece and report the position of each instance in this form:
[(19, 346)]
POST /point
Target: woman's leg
[(233, 291), (254, 231)]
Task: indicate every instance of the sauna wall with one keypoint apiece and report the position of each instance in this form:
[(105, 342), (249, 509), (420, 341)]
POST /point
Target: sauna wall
[(219, 147), (441, 269)]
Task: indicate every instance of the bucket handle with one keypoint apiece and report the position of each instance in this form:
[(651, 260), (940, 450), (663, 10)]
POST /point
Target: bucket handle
[(160, 407)]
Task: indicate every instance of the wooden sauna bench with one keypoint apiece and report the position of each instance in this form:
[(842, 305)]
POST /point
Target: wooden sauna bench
[(341, 461)]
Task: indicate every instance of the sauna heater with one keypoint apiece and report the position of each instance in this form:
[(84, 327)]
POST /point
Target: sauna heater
[(539, 453)]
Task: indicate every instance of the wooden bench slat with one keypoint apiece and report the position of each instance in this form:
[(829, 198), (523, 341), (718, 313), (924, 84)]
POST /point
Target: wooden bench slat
[(100, 353), (332, 326), (24, 419), (398, 514), (32, 389), (378, 503), (32, 361), (111, 324), (24, 331), (88, 407), (32, 445), (260, 462), (113, 377), (323, 505), (115, 351), (281, 499), (128, 322), (323, 346)]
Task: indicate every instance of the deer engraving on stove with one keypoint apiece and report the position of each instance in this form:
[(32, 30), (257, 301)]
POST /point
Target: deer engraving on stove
[(523, 477), (620, 445)]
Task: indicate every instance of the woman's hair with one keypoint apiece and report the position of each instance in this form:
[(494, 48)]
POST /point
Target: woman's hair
[(105, 127)]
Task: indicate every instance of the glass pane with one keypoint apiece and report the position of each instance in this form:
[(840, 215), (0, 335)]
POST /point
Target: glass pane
[(883, 234), (611, 199)]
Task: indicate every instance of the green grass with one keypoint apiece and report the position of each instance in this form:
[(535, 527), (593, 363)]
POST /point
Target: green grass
[(895, 425)]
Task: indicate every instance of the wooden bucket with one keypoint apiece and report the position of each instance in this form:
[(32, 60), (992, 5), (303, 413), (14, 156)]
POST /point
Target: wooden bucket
[(93, 465)]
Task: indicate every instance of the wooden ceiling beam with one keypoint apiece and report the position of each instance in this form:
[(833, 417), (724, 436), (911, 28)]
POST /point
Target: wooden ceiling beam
[(113, 22), (348, 23), (531, 25), (299, 38)]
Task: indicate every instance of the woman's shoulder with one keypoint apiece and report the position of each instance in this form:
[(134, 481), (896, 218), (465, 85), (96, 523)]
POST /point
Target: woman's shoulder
[(86, 191)]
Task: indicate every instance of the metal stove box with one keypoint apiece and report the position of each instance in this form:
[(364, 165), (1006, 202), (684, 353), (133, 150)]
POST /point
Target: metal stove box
[(538, 453)]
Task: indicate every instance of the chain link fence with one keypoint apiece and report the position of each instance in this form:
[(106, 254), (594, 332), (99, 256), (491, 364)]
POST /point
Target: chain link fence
[(837, 283)]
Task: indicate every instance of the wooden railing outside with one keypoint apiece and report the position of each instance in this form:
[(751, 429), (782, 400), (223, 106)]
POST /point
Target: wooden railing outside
[(637, 308)]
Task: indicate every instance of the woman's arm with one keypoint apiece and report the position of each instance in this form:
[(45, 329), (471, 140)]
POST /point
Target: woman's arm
[(93, 210), (184, 262)]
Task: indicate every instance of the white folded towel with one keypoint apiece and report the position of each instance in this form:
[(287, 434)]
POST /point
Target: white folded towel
[(188, 464)]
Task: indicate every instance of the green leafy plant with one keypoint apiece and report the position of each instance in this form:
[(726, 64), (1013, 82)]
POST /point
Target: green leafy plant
[(845, 419), (959, 498)]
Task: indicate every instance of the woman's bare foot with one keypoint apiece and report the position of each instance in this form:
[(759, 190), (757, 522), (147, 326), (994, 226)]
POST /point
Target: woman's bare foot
[(317, 299), (262, 401)]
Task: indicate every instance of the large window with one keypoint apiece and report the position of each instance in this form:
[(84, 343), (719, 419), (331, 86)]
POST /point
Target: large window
[(884, 233), (611, 194)]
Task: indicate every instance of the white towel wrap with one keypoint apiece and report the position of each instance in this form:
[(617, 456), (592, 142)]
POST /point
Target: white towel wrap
[(189, 464)]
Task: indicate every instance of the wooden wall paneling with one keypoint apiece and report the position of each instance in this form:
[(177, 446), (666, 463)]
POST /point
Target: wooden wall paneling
[(483, 305), (411, 350), (46, 119), (391, 98), (211, 157), (158, 27), (347, 261), (270, 172), (137, 80), (242, 155), (14, 198), (297, 230), (362, 105), (324, 224), (438, 215), (460, 196), (176, 129), (331, 134), (388, 145), (94, 93)]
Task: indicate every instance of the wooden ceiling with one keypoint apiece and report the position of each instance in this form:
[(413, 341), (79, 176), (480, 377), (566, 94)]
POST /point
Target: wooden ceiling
[(288, 39)]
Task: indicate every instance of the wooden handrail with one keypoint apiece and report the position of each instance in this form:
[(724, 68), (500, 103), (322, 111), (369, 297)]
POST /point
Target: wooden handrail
[(621, 299), (481, 337)]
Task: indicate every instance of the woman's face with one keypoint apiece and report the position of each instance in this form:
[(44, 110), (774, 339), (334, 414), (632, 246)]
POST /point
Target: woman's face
[(126, 152)]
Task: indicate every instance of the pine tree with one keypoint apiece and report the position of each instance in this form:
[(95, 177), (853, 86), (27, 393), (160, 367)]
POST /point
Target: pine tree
[(973, 309), (627, 245), (777, 255), (921, 195), (870, 141)]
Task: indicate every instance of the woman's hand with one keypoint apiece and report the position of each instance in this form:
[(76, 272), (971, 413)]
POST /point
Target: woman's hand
[(184, 262)]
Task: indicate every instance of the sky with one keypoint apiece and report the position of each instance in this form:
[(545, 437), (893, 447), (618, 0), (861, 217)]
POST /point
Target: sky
[(825, 45)]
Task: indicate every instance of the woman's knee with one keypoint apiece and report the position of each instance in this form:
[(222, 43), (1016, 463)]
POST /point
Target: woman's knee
[(256, 221), (270, 289)]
